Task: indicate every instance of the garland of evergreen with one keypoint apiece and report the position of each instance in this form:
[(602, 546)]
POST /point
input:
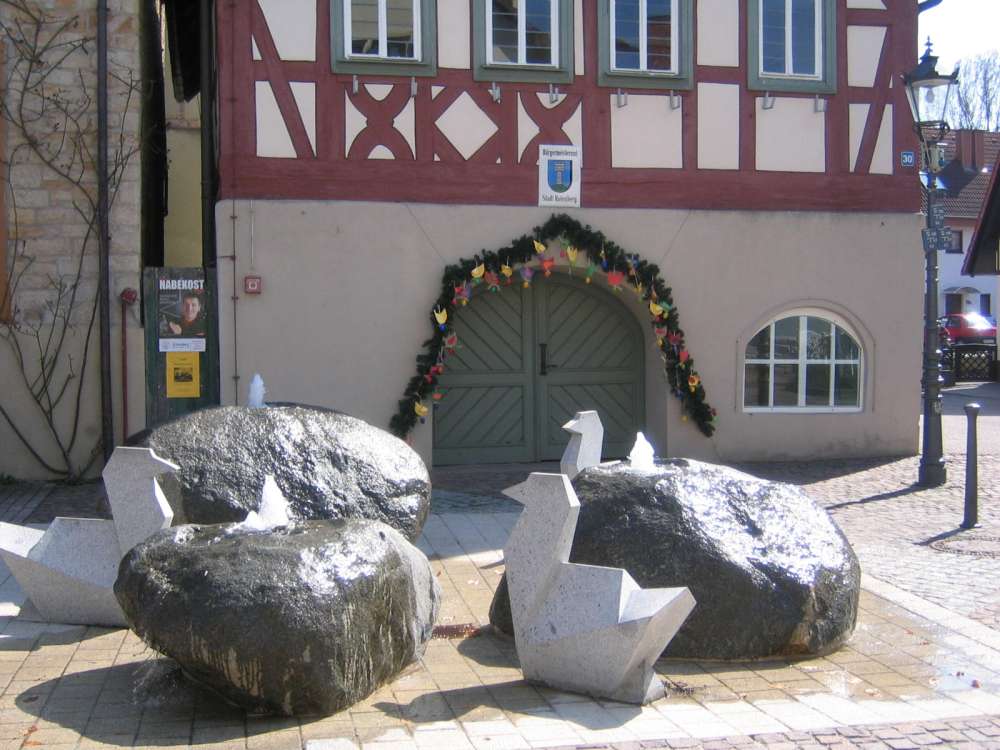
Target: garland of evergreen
[(602, 255)]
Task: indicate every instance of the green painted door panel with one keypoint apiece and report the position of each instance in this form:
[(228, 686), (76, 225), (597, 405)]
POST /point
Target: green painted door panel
[(486, 413), (499, 406), (593, 353)]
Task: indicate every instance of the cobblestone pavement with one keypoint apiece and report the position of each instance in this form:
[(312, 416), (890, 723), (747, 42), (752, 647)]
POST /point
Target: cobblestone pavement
[(922, 670)]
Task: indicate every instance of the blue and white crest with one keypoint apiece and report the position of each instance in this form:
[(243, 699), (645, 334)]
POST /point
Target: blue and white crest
[(560, 174)]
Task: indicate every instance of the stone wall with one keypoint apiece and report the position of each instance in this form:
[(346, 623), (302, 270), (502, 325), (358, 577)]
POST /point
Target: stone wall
[(50, 199)]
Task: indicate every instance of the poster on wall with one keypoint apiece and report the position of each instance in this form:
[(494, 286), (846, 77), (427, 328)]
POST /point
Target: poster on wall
[(559, 176), (182, 349), (183, 375), (181, 312)]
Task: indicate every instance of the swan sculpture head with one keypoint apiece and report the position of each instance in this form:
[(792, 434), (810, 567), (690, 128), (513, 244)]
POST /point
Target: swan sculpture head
[(585, 423), (540, 487)]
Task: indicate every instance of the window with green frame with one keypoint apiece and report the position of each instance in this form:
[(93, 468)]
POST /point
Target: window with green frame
[(792, 45), (384, 37), (645, 43), (523, 40)]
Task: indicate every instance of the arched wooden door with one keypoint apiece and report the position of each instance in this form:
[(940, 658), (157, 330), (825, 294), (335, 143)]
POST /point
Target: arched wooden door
[(528, 359)]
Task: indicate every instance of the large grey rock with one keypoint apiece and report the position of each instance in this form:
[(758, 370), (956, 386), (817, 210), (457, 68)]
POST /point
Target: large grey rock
[(306, 619), (771, 572), (329, 465)]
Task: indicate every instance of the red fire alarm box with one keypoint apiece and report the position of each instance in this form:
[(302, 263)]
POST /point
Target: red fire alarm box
[(252, 285)]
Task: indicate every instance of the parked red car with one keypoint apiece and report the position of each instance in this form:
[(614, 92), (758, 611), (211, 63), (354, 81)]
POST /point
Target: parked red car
[(969, 328)]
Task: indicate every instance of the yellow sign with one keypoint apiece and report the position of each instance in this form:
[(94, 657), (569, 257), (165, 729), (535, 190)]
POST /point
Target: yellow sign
[(183, 375)]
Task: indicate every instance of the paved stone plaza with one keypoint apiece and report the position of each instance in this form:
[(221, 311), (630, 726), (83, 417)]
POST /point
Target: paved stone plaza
[(922, 669)]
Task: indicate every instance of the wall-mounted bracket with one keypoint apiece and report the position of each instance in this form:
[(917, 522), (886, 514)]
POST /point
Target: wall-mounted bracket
[(820, 104), (554, 94), (413, 87), (495, 92), (675, 100), (354, 85), (621, 98), (767, 101)]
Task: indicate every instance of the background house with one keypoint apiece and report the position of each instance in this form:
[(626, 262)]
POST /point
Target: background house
[(976, 151)]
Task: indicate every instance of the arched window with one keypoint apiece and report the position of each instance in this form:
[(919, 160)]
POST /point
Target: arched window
[(803, 362)]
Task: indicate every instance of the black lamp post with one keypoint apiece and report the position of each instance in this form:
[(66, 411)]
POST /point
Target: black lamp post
[(928, 92)]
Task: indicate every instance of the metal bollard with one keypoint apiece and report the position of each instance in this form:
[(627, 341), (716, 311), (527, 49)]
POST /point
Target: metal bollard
[(971, 517)]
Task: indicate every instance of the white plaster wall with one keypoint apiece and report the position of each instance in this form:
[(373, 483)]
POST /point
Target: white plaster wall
[(646, 132), (292, 24), (864, 46), (718, 32), (777, 150), (882, 159), (465, 125), (454, 34), (718, 126), (348, 287), (273, 139), (526, 128), (304, 94), (857, 116)]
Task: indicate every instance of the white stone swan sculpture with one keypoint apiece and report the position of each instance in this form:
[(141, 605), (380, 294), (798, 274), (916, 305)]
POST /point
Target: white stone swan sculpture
[(68, 571), (584, 628), (578, 627), (585, 442)]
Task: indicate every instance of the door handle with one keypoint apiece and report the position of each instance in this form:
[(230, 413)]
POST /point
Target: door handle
[(544, 369)]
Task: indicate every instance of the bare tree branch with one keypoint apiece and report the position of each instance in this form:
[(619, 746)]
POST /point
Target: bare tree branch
[(976, 103), (53, 126)]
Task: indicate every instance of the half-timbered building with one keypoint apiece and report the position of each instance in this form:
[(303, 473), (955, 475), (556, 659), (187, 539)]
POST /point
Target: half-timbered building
[(758, 153)]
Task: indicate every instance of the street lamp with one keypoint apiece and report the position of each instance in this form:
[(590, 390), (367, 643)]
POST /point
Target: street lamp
[(928, 93)]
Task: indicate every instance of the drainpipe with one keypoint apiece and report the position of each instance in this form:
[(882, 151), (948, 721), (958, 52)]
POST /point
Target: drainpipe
[(207, 114), (103, 233)]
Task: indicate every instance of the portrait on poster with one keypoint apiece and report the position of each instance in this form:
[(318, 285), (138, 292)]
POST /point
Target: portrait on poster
[(182, 325)]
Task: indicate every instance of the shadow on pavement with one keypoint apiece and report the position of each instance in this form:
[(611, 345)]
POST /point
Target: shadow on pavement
[(807, 472), (875, 498), (148, 703)]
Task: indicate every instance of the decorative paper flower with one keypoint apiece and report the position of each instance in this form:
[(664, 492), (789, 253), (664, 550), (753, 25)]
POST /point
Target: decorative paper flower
[(591, 270), (441, 316), (451, 342), (615, 279), (462, 293), (547, 264), (477, 273), (421, 411), (492, 281), (526, 273), (507, 272), (539, 247), (655, 310), (684, 356), (570, 254)]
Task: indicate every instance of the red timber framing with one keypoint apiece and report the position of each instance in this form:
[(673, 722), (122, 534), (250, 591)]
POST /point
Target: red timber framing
[(435, 172)]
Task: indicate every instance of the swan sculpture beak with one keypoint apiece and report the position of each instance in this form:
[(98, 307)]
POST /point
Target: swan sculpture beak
[(518, 492)]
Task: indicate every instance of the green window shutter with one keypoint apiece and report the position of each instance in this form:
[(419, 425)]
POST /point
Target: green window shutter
[(561, 73), (825, 84), (681, 80), (427, 66)]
